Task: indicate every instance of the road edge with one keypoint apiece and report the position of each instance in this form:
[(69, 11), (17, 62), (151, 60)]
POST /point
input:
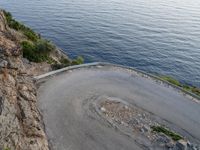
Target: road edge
[(57, 72)]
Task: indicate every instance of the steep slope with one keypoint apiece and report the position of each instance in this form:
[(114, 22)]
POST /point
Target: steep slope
[(20, 121)]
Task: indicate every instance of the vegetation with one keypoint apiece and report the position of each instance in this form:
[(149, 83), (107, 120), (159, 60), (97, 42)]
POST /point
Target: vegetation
[(167, 132), (79, 60), (192, 89), (64, 62), (189, 88), (12, 23), (37, 51), (171, 80)]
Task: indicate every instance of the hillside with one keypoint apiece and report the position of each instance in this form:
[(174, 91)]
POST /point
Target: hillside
[(21, 125)]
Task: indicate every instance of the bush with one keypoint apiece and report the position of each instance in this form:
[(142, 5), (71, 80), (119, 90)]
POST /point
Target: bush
[(65, 61), (196, 90), (167, 132), (37, 51), (44, 46), (79, 60), (31, 35), (57, 66), (188, 88), (29, 51), (12, 23), (171, 80)]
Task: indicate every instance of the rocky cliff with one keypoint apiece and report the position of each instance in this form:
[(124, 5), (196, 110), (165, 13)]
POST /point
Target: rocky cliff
[(20, 121)]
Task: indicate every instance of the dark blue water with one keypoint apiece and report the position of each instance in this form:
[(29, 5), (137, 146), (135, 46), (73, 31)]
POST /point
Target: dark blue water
[(161, 36)]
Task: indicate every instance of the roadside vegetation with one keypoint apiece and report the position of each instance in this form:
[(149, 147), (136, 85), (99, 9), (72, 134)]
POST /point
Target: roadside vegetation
[(37, 49), (66, 62), (171, 80), (188, 88), (173, 135)]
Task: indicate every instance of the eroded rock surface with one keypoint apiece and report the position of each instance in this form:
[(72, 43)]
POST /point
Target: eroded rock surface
[(20, 121)]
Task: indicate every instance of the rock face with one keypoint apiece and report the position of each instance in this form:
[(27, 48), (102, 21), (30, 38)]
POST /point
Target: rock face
[(20, 121), (3, 24)]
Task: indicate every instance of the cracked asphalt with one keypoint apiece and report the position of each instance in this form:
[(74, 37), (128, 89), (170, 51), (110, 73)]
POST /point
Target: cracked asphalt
[(72, 126)]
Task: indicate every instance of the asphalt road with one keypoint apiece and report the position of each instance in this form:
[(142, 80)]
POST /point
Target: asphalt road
[(70, 125)]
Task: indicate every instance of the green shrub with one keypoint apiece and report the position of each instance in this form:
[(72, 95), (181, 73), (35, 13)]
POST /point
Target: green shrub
[(195, 90), (65, 61), (12, 23), (188, 88), (57, 66), (29, 51), (79, 60), (44, 46), (171, 80), (167, 132), (27, 45), (31, 35), (37, 51)]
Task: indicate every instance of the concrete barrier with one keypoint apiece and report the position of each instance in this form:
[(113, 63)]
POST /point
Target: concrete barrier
[(52, 73)]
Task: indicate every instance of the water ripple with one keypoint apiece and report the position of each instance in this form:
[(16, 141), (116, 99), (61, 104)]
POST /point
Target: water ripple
[(152, 35)]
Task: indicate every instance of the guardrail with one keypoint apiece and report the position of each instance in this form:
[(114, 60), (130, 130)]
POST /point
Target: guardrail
[(52, 73), (56, 72)]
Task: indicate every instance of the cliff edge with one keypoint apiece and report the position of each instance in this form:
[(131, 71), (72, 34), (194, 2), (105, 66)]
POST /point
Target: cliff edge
[(20, 121)]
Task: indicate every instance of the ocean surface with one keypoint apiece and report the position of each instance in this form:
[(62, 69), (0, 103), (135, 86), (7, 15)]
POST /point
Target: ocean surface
[(156, 36)]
